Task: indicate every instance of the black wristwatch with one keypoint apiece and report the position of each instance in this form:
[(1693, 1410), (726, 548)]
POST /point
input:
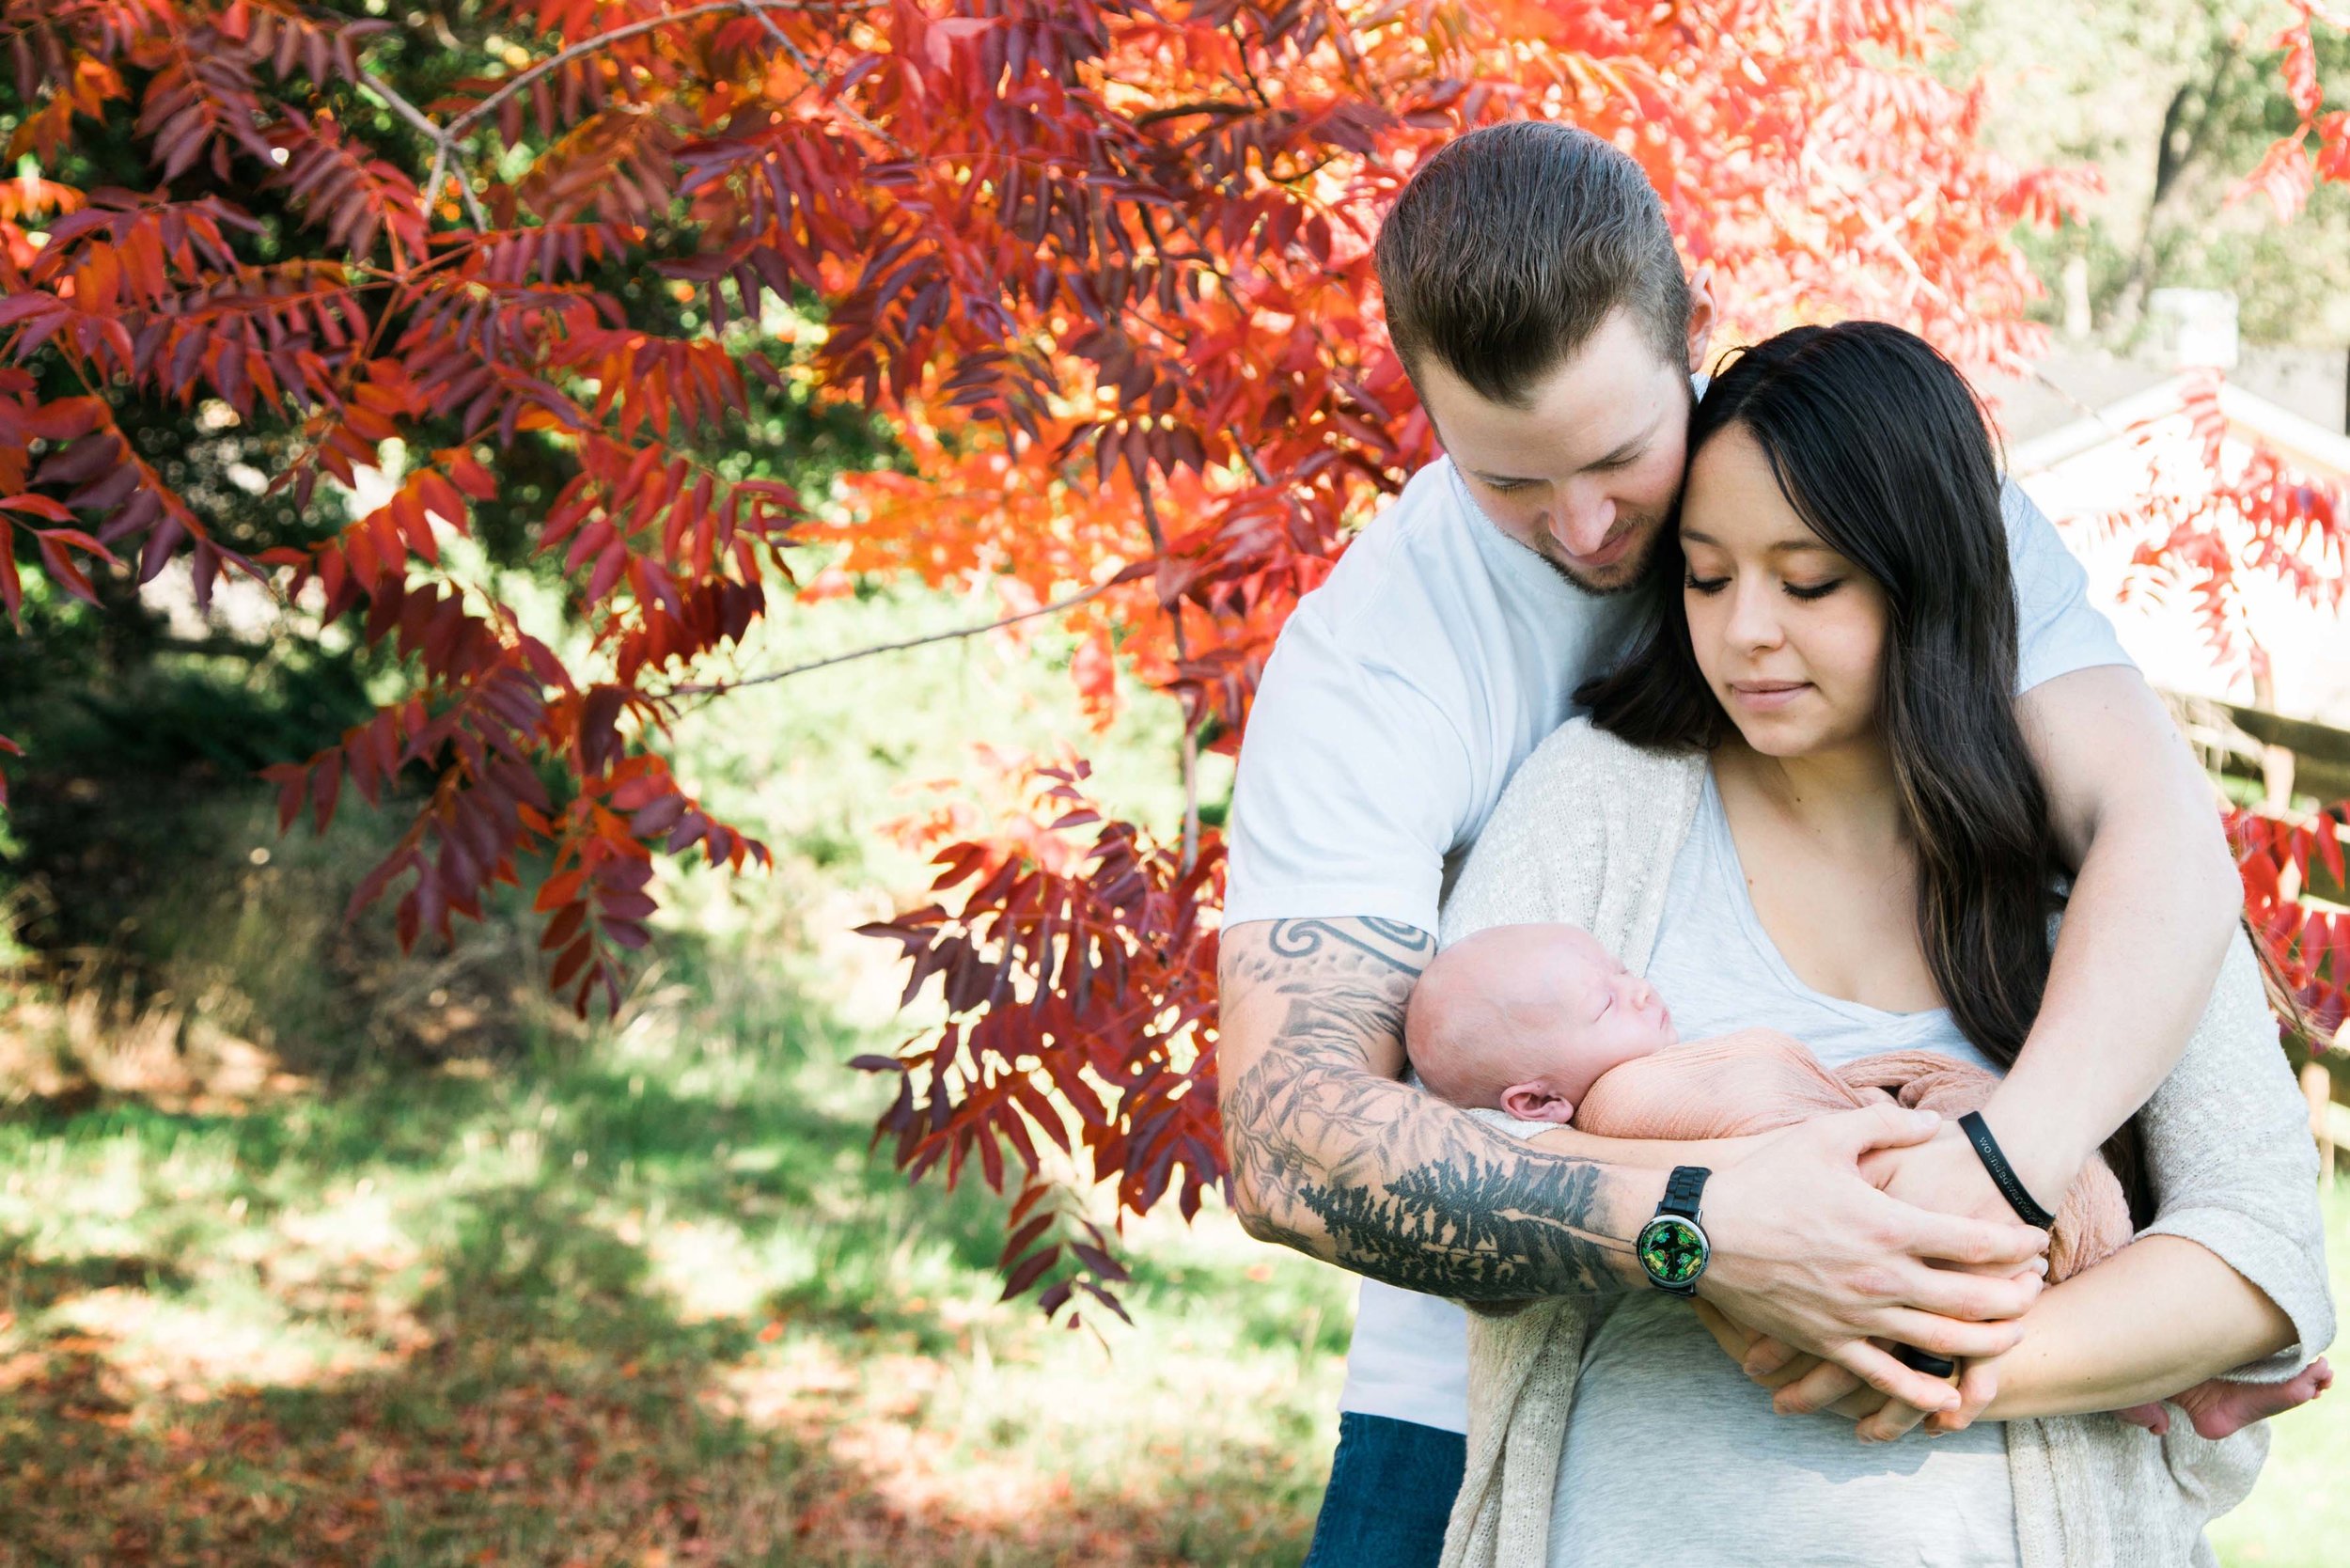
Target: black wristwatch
[(1673, 1248)]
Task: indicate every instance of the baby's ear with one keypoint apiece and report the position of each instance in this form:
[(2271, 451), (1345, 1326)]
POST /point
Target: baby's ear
[(1536, 1102)]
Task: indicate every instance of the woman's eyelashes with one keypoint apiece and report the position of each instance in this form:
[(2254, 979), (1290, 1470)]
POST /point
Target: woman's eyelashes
[(1711, 586)]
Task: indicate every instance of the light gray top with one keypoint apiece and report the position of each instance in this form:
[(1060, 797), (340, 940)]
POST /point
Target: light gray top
[(1660, 1411), (1587, 831)]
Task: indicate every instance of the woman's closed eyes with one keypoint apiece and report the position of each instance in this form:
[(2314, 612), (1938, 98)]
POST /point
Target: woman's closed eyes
[(1710, 586)]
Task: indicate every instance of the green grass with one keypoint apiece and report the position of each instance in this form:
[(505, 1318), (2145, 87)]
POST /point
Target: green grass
[(652, 1300), (636, 1295), (2298, 1515)]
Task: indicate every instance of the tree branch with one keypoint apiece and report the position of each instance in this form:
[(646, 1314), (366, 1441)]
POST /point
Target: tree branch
[(759, 8), (1220, 108), (443, 146), (754, 8), (715, 688), (444, 138), (530, 73)]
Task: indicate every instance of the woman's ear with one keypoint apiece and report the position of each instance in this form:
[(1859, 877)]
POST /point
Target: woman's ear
[(1536, 1102)]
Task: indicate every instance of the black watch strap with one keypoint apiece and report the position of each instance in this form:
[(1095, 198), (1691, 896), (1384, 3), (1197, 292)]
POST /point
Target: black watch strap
[(1681, 1190), (1925, 1361), (1672, 1245)]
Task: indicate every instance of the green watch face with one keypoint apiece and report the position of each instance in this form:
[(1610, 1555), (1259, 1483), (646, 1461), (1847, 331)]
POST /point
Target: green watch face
[(1672, 1251)]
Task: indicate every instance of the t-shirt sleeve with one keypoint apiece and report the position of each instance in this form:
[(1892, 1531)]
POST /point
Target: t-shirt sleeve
[(2059, 631), (1352, 787)]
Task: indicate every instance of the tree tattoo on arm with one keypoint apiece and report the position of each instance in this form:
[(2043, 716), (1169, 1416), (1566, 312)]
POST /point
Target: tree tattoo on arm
[(1331, 1156)]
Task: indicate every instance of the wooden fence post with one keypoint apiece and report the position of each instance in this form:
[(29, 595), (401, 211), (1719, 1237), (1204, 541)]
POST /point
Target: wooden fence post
[(2317, 1087)]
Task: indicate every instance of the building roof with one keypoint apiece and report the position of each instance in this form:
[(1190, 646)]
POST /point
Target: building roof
[(2090, 463), (2309, 446), (2072, 382)]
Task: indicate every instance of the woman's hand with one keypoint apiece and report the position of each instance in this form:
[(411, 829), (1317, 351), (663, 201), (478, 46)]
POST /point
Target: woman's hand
[(1977, 1385), (1945, 1174), (1807, 1251), (1803, 1384)]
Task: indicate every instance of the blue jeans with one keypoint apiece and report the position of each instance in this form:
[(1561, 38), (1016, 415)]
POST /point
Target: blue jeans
[(1392, 1488)]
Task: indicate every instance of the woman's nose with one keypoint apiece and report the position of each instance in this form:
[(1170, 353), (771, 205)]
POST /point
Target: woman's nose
[(1753, 616)]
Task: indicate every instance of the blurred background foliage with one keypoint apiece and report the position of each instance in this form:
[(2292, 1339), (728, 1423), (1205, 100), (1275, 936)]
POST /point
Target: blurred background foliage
[(2173, 102)]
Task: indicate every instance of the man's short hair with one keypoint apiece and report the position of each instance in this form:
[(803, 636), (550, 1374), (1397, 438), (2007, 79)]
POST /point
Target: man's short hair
[(1509, 246)]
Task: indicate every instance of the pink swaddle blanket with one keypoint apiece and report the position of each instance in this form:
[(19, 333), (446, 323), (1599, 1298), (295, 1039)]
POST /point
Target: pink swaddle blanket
[(1757, 1080)]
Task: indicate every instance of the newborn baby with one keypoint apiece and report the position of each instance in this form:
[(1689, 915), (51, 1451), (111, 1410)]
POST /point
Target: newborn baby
[(1542, 1023)]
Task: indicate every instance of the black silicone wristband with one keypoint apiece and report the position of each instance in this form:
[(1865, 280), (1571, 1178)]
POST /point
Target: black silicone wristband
[(2002, 1174)]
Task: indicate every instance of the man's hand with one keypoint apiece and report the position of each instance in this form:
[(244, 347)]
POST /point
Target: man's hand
[(1807, 1251)]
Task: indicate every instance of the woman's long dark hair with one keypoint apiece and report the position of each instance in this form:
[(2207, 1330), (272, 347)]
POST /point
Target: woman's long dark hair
[(1881, 447)]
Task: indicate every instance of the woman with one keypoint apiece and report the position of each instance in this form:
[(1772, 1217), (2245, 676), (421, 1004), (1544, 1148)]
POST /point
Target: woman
[(1815, 813)]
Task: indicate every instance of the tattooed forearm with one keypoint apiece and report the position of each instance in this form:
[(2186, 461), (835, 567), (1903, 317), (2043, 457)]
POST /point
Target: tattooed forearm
[(1333, 1156)]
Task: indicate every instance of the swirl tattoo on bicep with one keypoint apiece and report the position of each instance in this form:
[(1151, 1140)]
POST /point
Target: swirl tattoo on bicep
[(1405, 949)]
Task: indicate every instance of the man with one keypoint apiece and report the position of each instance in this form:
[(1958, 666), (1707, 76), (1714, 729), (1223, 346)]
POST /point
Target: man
[(1534, 294)]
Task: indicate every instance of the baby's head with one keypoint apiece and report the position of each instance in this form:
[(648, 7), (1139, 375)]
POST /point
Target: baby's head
[(1526, 1018)]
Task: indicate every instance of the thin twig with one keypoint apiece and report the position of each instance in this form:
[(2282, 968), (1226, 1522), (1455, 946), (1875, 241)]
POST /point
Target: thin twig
[(716, 687), (1182, 656), (1249, 454), (759, 8), (1191, 795), (433, 180), (523, 78), (444, 138), (402, 107), (443, 146)]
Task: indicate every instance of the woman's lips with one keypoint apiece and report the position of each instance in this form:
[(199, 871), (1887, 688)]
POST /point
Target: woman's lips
[(1767, 695)]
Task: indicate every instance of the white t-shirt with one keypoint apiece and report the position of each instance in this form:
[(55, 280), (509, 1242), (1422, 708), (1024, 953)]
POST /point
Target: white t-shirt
[(1401, 695)]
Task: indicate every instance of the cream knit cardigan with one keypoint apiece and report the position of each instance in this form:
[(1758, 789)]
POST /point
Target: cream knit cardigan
[(1587, 833)]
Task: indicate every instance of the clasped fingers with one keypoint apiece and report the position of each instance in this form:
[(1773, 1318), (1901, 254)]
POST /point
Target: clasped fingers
[(1951, 1338), (1820, 1387), (1979, 1243), (1974, 1297), (1889, 1422)]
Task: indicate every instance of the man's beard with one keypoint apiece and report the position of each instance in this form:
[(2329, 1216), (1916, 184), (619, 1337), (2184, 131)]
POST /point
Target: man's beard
[(1619, 577)]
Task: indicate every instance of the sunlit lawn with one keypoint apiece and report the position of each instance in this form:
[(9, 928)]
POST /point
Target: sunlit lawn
[(644, 1297), (654, 1306), (2298, 1517)]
